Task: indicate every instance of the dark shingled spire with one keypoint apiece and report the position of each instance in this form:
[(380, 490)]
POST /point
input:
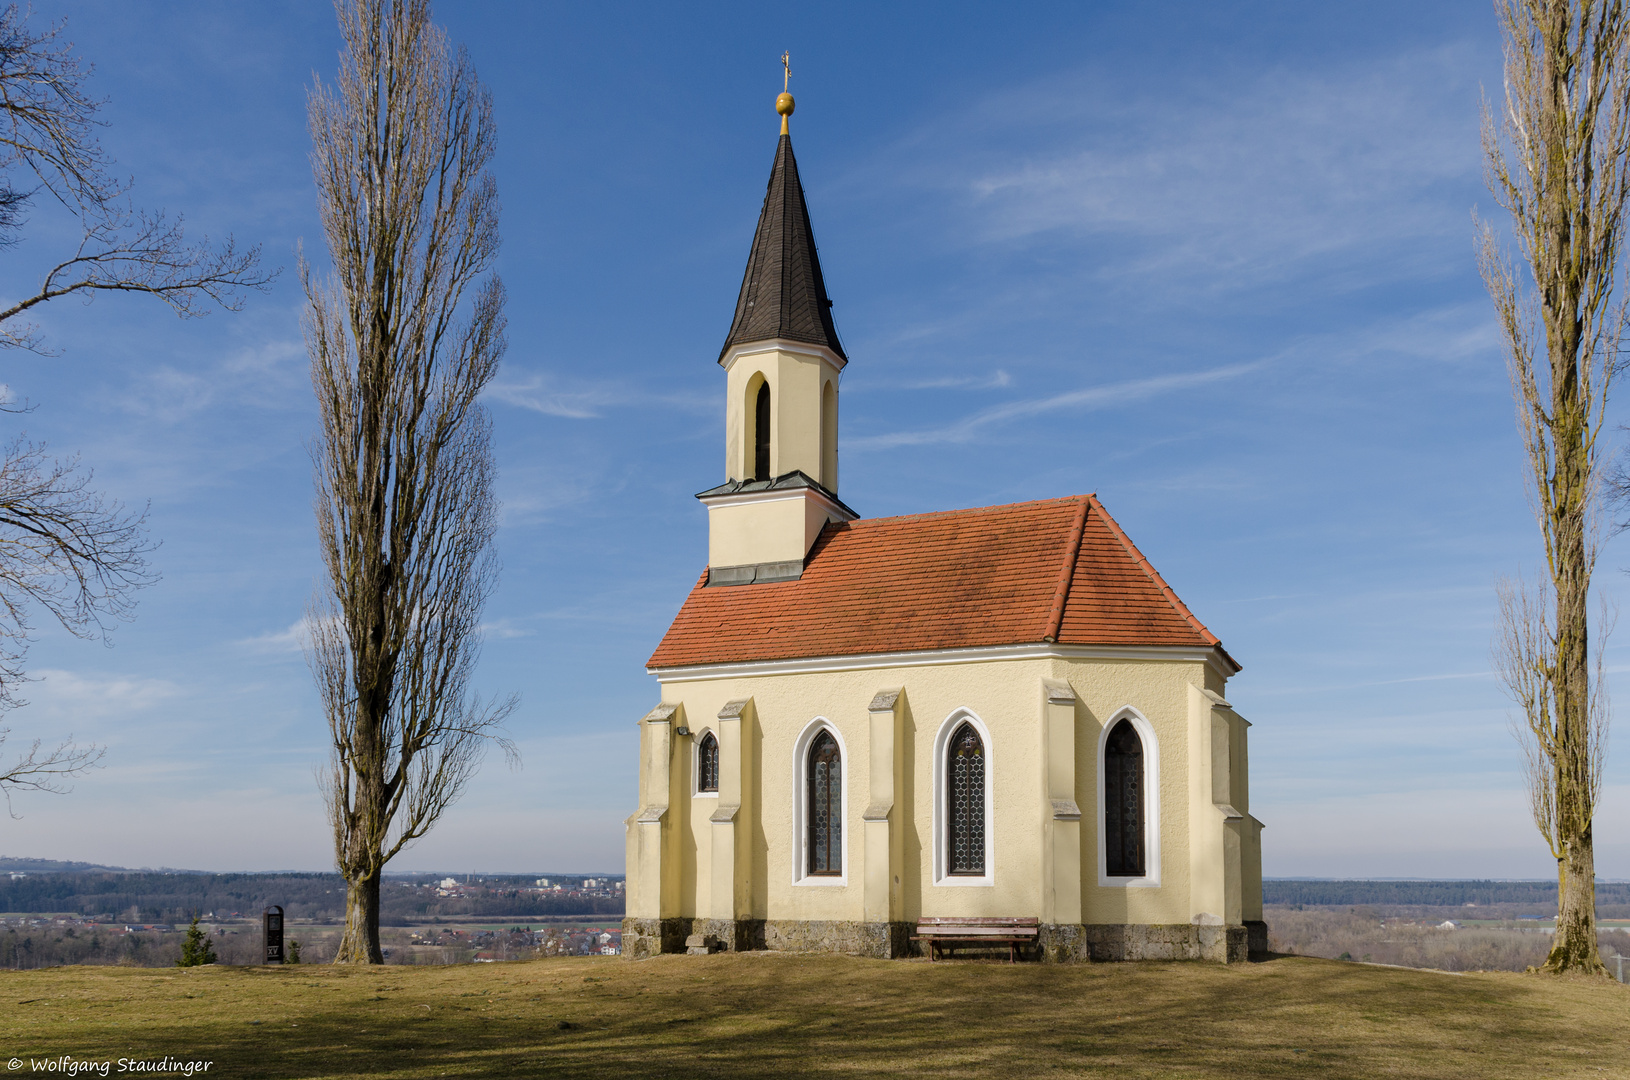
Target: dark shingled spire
[(782, 293)]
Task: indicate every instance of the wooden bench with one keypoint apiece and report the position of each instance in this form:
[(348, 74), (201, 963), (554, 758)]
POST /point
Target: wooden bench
[(943, 933)]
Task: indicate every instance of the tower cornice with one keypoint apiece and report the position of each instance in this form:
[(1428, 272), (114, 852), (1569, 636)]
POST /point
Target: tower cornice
[(797, 348)]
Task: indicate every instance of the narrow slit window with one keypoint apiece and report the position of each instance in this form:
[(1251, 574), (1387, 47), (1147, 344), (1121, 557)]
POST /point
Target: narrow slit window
[(1124, 802), (707, 763), (825, 806), (965, 793), (761, 433)]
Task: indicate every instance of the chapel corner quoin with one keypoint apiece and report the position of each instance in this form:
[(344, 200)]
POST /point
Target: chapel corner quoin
[(996, 713)]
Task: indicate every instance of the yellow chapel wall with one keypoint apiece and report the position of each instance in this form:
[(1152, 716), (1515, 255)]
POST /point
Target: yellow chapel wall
[(1006, 697)]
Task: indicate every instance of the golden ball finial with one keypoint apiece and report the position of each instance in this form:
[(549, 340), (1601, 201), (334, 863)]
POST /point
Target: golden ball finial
[(783, 104)]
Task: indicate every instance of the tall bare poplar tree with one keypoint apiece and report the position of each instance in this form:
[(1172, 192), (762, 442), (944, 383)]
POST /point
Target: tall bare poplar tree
[(1557, 161), (402, 338)]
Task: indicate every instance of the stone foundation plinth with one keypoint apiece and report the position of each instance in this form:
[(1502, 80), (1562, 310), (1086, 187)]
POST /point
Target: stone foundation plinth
[(1098, 943), (644, 938), (884, 941), (1064, 943)]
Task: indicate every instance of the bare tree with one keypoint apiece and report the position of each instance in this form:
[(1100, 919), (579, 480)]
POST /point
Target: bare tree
[(402, 338), (64, 549), (1558, 160)]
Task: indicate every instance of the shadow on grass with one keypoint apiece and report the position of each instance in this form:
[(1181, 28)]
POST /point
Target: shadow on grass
[(775, 1016)]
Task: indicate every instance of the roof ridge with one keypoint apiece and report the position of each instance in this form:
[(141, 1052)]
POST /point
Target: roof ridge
[(1066, 572), (964, 510), (1148, 568)]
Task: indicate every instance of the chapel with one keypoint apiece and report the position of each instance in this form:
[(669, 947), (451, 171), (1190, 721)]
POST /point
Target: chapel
[(870, 722)]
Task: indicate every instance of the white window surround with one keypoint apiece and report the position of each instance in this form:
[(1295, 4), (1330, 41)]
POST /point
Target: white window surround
[(1151, 803), (696, 764), (800, 807), (941, 840)]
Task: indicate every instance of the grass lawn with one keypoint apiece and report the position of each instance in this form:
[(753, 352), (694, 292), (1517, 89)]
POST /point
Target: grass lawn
[(779, 1015)]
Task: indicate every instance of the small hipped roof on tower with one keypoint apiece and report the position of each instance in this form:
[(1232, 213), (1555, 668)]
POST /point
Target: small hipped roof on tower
[(782, 293)]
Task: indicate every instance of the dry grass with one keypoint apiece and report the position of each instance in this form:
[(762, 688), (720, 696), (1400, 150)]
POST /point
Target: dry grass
[(770, 1015)]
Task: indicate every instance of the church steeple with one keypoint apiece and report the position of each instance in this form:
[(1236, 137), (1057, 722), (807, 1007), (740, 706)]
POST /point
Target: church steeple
[(783, 360), (783, 294)]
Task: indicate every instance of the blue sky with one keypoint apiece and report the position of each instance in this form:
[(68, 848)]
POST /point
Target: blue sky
[(1211, 261)]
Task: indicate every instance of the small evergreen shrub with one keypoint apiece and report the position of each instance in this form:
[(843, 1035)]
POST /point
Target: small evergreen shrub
[(293, 952), (197, 949)]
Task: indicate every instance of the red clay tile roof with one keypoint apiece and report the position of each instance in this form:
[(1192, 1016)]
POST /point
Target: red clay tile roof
[(1057, 569)]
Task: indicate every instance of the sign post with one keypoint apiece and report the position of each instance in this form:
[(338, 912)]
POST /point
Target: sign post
[(271, 924)]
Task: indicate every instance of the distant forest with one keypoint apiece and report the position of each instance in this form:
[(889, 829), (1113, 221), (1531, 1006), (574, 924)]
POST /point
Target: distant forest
[(145, 897), (174, 897), (1430, 893)]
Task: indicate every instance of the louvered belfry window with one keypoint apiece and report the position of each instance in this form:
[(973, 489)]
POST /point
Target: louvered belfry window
[(1123, 802), (761, 433), (965, 790), (825, 806), (707, 764)]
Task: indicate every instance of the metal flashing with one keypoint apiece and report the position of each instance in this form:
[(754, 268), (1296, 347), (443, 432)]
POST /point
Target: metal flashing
[(755, 573), (792, 485)]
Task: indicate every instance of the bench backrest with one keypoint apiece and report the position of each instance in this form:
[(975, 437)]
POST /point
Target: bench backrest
[(1003, 921)]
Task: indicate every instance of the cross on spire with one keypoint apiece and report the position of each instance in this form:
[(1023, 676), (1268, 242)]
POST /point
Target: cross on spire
[(786, 71)]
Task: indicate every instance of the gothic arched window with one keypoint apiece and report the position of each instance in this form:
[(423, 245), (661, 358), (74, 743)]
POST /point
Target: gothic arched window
[(761, 433), (1123, 802), (965, 802), (707, 763), (825, 806)]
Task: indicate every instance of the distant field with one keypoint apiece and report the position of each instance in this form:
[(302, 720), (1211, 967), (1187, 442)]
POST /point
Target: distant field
[(779, 1016)]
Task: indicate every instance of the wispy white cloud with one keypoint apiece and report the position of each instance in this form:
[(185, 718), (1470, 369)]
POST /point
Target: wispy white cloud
[(1085, 399), (1288, 167), (1338, 171), (505, 628), (100, 696), (552, 395), (544, 395), (292, 639), (996, 380), (268, 372)]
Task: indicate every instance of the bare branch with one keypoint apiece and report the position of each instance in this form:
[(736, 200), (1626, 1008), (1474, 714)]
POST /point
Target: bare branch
[(64, 550), (45, 770), (47, 119), (47, 127)]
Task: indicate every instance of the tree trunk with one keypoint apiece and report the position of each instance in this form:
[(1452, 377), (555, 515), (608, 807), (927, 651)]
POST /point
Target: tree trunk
[(360, 942), (1575, 947)]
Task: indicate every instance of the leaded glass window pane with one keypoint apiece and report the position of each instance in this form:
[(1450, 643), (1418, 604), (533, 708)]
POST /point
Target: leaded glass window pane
[(1123, 802), (707, 764), (825, 806), (965, 792)]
